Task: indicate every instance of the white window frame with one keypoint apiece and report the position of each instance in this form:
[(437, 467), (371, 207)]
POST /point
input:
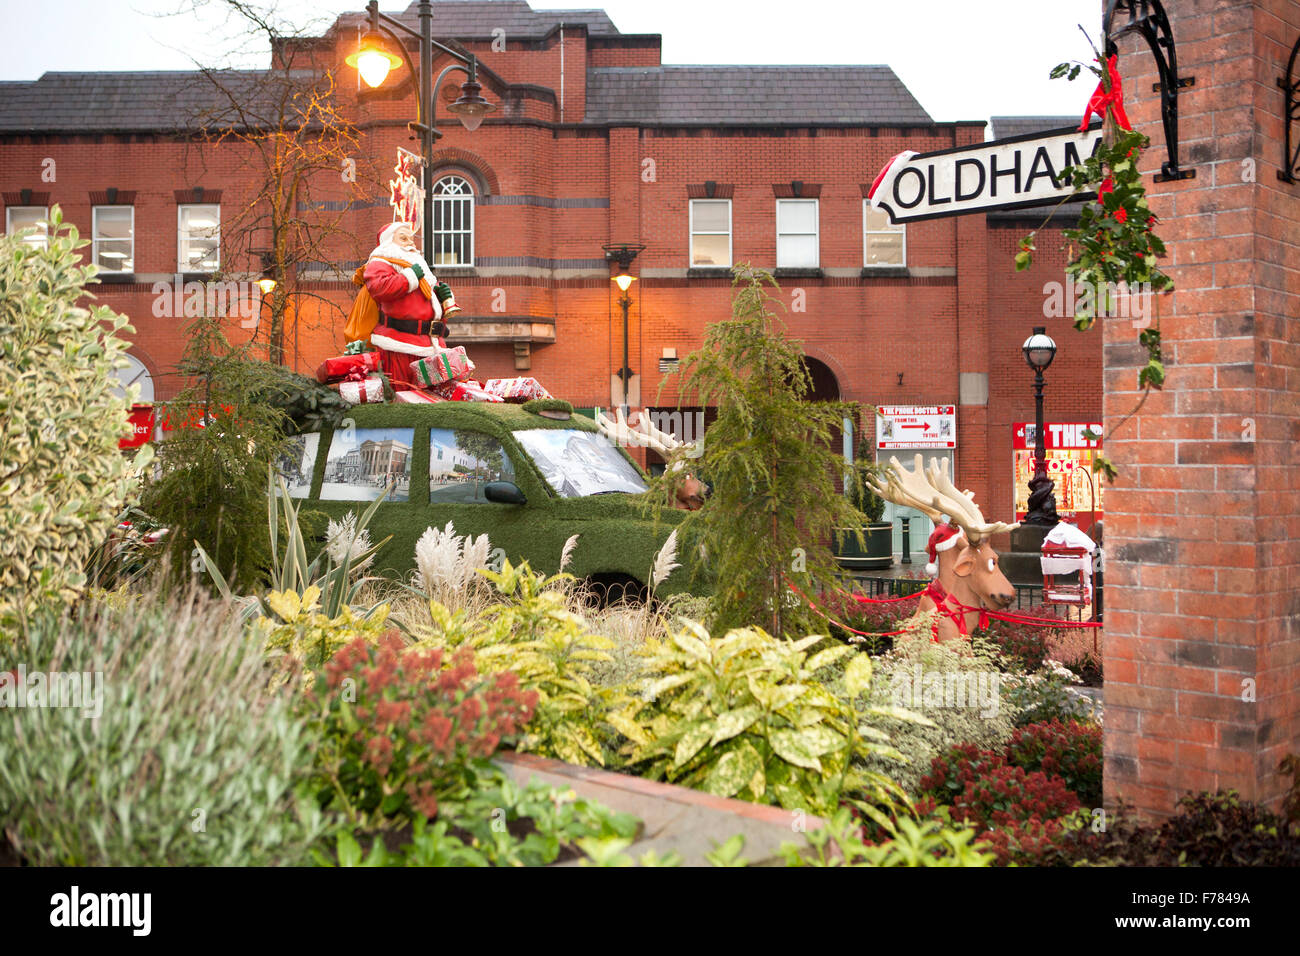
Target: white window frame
[(446, 200), (181, 265), (95, 239), (866, 233), (694, 232), (816, 233), (45, 216)]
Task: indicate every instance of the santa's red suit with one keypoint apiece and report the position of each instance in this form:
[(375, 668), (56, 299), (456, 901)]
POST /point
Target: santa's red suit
[(410, 322)]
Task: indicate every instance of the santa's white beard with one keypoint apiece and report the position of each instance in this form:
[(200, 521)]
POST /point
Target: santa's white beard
[(391, 250)]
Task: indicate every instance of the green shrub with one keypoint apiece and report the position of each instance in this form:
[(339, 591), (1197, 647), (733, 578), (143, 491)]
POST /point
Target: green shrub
[(925, 843), (744, 715), (531, 631), (62, 477), (192, 761), (897, 676)]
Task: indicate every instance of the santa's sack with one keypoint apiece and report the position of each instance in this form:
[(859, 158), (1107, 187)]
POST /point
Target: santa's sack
[(365, 311), (353, 367), (445, 365), (517, 390)]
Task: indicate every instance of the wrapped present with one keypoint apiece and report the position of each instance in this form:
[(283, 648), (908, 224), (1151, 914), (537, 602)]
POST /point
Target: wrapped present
[(351, 368), (517, 390), (470, 391), (412, 397), (448, 365), (356, 348), (368, 391)]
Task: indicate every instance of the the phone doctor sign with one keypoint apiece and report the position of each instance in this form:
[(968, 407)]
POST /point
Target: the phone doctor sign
[(1011, 173)]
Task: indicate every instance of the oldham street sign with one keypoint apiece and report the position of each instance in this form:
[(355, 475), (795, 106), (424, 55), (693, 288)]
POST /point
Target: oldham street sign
[(1012, 173)]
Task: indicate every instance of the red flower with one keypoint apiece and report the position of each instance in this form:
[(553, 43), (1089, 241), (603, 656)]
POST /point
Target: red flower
[(1121, 215)]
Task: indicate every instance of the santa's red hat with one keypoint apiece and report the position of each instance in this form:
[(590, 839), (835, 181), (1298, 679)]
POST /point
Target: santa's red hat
[(884, 182), (386, 234), (942, 538)]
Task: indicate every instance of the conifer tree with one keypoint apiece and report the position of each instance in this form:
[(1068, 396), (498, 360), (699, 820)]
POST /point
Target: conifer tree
[(770, 464)]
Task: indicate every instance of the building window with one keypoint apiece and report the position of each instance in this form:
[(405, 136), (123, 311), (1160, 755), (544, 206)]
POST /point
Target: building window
[(20, 218), (453, 222), (883, 243), (796, 234), (710, 233), (113, 246), (198, 235)]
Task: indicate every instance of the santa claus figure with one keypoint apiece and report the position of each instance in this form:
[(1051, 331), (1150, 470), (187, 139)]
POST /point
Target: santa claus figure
[(410, 316)]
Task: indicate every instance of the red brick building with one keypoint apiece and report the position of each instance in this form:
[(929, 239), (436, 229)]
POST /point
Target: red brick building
[(594, 142)]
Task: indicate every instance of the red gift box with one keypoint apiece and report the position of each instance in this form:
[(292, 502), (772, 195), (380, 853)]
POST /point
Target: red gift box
[(412, 397), (516, 389), (464, 392), (447, 365), (351, 367)]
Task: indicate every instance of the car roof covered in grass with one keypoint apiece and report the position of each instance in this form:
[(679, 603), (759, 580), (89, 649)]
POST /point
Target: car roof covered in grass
[(492, 417)]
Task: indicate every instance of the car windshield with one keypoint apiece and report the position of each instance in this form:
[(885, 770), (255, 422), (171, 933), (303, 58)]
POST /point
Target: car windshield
[(579, 463)]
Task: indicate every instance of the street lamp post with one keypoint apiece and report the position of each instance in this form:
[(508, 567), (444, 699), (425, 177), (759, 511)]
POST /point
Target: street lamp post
[(374, 62), (1039, 351), (623, 254)]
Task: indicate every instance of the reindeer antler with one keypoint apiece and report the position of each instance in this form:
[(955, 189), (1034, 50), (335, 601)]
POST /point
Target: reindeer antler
[(933, 494)]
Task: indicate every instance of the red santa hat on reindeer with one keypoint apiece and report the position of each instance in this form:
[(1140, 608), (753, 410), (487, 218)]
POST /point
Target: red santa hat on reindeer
[(944, 537)]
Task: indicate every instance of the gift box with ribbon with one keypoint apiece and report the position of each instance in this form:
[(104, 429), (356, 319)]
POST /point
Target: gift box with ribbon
[(412, 397), (470, 391), (367, 391), (447, 365), (352, 368), (517, 390)]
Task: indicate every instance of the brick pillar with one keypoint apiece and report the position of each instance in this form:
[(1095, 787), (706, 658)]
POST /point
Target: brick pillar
[(1202, 643)]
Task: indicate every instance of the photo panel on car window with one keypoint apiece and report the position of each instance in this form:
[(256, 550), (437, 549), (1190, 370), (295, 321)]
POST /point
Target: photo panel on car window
[(362, 462), (297, 463), (461, 462)]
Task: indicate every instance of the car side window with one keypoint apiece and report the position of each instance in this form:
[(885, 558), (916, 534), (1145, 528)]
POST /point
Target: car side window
[(297, 463), (362, 462), (461, 462)]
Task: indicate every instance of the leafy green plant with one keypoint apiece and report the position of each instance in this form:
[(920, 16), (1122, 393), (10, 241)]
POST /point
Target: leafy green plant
[(191, 760), (744, 715), (62, 477), (769, 461), (925, 843), (531, 631)]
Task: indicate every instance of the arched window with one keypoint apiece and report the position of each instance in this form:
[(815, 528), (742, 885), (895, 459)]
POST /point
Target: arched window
[(453, 222)]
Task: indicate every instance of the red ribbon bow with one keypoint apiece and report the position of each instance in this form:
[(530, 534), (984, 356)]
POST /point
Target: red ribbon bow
[(355, 374), (1103, 100)]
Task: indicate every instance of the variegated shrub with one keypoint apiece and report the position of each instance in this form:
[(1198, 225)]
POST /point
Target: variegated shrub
[(62, 477), (747, 716)]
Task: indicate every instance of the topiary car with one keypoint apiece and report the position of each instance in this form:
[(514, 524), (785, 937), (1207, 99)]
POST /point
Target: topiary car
[(528, 477)]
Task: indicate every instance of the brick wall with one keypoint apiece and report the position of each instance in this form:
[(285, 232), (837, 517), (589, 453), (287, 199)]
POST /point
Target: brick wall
[(1202, 647)]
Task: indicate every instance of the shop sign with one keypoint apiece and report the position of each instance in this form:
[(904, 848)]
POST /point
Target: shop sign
[(916, 426)]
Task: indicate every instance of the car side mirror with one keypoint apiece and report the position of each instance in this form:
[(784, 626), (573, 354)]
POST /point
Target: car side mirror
[(504, 493)]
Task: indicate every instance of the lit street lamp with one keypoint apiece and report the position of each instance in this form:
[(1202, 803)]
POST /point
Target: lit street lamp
[(1039, 351), (623, 254), (373, 61)]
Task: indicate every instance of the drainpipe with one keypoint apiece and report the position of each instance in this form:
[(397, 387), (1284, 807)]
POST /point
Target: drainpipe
[(561, 71)]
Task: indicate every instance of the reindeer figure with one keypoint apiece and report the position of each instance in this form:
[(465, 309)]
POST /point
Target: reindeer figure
[(969, 581), (690, 493)]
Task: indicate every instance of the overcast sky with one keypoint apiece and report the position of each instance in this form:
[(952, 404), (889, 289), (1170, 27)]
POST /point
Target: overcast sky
[(963, 59)]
